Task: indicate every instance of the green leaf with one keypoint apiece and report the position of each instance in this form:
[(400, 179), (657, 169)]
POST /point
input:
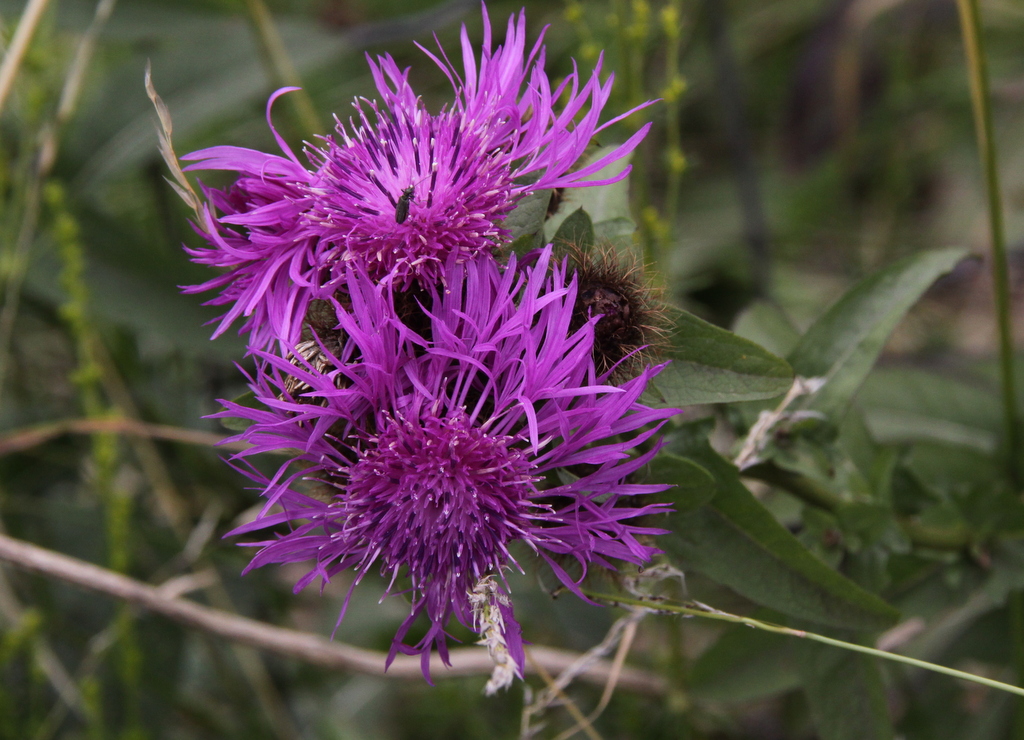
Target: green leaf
[(865, 524), (735, 541), (908, 405), (577, 231), (712, 365), (766, 324), (603, 203), (235, 424), (843, 345), (612, 229), (527, 218), (744, 665), (524, 244), (845, 694), (693, 485), (618, 234)]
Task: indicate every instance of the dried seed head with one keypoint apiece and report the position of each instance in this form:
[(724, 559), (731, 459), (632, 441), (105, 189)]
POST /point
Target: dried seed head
[(321, 338), (631, 324)]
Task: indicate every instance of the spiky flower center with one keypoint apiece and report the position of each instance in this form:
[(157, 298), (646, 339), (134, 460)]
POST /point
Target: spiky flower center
[(407, 189), (442, 497)]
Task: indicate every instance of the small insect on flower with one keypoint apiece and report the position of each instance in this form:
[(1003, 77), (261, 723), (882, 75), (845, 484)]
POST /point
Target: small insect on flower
[(289, 231), (402, 207)]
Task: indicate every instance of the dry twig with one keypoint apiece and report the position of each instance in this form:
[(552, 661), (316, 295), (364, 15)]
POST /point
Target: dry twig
[(300, 645)]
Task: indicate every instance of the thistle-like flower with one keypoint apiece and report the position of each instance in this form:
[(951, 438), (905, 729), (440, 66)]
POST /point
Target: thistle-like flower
[(430, 453), (398, 190)]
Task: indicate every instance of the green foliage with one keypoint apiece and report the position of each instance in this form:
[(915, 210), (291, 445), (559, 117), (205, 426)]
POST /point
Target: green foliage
[(845, 694), (712, 365), (576, 231), (843, 345), (735, 541), (745, 665), (885, 494), (692, 485), (526, 222)]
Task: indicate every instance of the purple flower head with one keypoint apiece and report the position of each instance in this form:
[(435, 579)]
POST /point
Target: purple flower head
[(258, 229), (399, 190), (439, 449), (404, 189)]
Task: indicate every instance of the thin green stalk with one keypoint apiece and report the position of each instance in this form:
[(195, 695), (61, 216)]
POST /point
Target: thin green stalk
[(631, 21), (675, 86), (619, 20), (706, 612), (36, 173), (1017, 635), (282, 68), (637, 30), (810, 491), (977, 64), (106, 452)]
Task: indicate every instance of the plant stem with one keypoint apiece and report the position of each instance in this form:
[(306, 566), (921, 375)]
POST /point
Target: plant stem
[(27, 438), (700, 610), (672, 95), (730, 91), (1017, 636), (310, 648), (27, 25), (812, 492), (977, 64), (282, 68)]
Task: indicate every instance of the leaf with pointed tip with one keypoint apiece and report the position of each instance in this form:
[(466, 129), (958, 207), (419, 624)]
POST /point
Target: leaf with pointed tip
[(735, 541), (527, 218), (576, 231), (603, 203), (237, 424), (712, 365), (843, 345), (693, 486)]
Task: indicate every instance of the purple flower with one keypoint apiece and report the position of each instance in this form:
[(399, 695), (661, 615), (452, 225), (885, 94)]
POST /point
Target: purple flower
[(261, 236), (427, 454), (399, 190)]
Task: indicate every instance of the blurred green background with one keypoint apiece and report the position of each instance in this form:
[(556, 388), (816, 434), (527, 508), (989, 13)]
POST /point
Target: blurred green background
[(799, 145)]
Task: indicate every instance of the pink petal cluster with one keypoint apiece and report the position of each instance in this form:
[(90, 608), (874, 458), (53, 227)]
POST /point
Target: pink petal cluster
[(444, 406), (397, 190), (435, 447)]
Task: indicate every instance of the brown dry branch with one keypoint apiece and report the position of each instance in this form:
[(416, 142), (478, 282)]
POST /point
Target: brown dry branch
[(24, 439), (292, 643)]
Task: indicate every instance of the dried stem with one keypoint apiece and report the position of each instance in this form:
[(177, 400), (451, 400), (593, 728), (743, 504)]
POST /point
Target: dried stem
[(281, 66), (621, 634), (24, 439), (292, 643), (554, 691), (19, 45)]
